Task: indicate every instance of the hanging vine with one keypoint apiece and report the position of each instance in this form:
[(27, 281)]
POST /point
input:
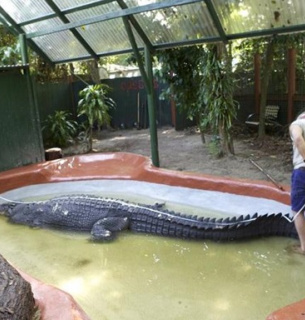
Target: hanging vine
[(217, 88)]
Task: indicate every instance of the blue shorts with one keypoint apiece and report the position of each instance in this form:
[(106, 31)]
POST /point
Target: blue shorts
[(297, 189)]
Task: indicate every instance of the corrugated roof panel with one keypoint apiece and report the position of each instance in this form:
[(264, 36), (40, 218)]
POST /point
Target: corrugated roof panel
[(66, 4), (177, 23), (43, 25), (61, 46), (106, 36), (23, 10), (248, 15), (138, 3), (93, 12)]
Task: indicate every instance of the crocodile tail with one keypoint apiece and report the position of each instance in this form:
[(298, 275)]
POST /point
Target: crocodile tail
[(219, 230)]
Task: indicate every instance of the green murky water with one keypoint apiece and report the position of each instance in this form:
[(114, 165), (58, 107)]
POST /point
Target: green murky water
[(146, 277)]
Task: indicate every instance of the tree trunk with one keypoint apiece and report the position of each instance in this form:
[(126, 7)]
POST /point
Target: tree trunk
[(231, 145), (16, 297), (226, 138), (264, 89), (94, 71), (90, 138), (227, 145)]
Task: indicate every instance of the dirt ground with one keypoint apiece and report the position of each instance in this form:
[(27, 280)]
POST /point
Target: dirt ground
[(184, 151)]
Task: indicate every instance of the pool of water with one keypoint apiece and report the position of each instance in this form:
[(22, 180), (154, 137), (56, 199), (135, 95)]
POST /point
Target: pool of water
[(150, 277), (147, 277)]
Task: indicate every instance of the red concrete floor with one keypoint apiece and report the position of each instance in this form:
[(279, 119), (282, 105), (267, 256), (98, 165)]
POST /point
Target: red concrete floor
[(128, 166)]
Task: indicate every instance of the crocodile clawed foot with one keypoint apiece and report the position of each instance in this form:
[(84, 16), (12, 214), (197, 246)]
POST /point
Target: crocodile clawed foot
[(101, 234), (158, 205)]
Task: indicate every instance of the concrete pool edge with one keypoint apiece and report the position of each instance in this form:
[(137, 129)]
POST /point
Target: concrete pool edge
[(65, 307), (133, 167)]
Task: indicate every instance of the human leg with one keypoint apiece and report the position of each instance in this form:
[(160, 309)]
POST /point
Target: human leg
[(297, 204), (299, 223)]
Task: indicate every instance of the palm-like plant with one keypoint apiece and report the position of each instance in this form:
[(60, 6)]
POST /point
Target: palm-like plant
[(95, 105), (58, 130)]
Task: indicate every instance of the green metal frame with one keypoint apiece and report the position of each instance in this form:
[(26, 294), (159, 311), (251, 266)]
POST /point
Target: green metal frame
[(132, 26), (17, 28)]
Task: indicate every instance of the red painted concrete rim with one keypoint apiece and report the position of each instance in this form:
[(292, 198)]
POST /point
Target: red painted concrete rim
[(124, 166), (133, 167)]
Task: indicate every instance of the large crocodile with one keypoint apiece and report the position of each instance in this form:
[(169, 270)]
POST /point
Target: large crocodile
[(104, 218)]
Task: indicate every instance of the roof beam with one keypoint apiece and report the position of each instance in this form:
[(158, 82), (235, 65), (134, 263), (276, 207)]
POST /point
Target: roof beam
[(112, 15), (216, 20), (76, 34), (267, 32), (136, 25), (168, 45), (87, 6), (103, 54), (136, 51)]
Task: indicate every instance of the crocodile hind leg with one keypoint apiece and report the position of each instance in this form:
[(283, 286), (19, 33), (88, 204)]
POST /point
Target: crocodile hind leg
[(106, 228)]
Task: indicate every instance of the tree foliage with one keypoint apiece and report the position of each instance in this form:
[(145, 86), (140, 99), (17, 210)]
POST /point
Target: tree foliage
[(9, 48), (179, 68), (6, 38), (244, 51), (273, 51), (200, 81), (10, 55)]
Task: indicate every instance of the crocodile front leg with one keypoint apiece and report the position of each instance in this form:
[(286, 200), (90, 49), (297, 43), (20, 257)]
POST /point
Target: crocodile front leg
[(106, 228)]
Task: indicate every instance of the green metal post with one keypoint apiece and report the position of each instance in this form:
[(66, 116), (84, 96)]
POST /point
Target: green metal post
[(32, 96), (24, 51), (151, 99), (147, 75)]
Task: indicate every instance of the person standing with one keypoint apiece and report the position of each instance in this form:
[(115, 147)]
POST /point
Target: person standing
[(297, 134)]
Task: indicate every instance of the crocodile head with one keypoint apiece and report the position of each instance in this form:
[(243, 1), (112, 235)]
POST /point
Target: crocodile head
[(6, 208), (27, 213)]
